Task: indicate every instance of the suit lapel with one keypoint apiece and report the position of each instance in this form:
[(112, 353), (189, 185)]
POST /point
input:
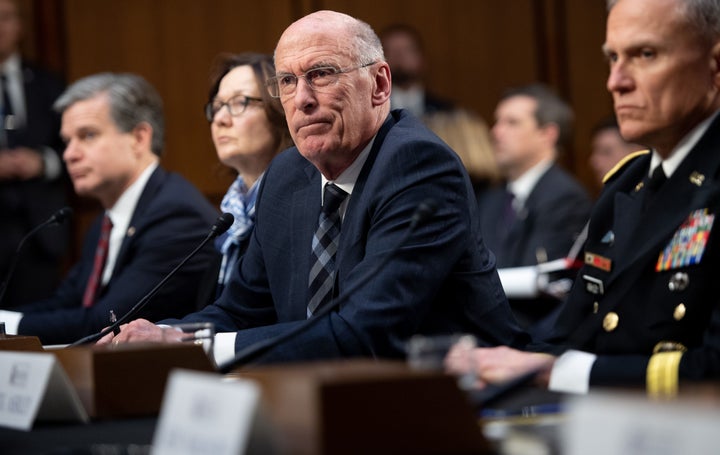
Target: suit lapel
[(306, 206), (152, 187)]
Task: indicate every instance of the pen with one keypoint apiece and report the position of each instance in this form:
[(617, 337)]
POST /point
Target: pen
[(113, 320)]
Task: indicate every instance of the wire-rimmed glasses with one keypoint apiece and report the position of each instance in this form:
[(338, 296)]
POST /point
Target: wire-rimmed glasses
[(284, 84)]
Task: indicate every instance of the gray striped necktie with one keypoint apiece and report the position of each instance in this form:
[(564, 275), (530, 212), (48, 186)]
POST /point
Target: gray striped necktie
[(324, 247)]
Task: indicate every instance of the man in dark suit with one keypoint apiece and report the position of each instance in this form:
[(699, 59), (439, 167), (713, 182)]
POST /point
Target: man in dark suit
[(113, 128), (644, 309), (537, 215), (334, 84), (33, 184)]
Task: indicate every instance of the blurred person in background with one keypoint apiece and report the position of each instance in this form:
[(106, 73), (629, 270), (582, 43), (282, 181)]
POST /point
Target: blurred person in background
[(33, 183), (608, 147)]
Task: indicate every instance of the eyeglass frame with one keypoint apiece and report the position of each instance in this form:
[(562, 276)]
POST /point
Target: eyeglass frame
[(273, 81), (210, 115)]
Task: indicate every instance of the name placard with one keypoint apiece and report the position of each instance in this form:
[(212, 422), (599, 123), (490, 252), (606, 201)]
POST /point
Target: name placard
[(203, 413), (33, 386), (602, 423)]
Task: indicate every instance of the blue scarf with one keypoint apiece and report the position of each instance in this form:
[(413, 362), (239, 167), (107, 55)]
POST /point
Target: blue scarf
[(240, 202)]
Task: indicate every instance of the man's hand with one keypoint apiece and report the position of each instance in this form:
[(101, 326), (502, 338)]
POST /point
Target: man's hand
[(21, 163), (501, 364), (139, 330)]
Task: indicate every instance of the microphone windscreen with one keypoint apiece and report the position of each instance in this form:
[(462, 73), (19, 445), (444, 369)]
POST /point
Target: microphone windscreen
[(61, 215), (223, 223)]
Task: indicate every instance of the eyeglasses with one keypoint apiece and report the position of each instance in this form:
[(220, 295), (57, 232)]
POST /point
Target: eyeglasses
[(236, 106), (285, 84)]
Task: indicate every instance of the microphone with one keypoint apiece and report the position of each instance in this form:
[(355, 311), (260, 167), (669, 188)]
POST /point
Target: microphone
[(58, 217), (221, 225), (423, 212)]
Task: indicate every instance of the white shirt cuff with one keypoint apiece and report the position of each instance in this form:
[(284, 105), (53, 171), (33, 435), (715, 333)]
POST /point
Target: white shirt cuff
[(519, 282), (224, 349), (571, 372), (11, 320)]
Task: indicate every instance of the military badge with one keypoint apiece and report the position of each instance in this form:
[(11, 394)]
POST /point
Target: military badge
[(598, 261), (688, 244)]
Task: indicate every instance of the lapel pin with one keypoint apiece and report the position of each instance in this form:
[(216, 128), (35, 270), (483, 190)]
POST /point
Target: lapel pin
[(131, 231), (608, 238), (697, 178), (639, 186)]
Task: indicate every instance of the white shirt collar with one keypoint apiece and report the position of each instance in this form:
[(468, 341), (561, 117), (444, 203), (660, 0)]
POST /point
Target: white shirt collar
[(12, 64), (120, 214), (682, 149), (12, 69), (523, 185), (346, 180)]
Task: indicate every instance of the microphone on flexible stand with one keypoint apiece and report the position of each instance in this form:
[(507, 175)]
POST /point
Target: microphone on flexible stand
[(221, 225), (423, 212), (58, 217)]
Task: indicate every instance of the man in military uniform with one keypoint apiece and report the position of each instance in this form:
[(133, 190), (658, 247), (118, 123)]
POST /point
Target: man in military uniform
[(644, 308)]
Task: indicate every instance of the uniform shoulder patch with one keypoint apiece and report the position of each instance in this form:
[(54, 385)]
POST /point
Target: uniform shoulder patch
[(623, 162)]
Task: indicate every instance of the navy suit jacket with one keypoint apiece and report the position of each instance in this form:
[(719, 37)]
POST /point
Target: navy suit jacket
[(442, 280), (634, 288), (170, 220), (554, 214), (26, 204)]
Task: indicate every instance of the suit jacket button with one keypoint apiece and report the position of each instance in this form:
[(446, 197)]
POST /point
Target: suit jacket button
[(610, 322), (679, 312)]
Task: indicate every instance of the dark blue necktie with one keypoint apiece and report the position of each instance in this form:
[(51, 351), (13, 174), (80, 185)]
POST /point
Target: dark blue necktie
[(324, 247)]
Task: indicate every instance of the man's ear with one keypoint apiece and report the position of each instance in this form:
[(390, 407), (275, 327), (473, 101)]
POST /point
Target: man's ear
[(551, 132), (715, 64), (142, 134), (383, 84)]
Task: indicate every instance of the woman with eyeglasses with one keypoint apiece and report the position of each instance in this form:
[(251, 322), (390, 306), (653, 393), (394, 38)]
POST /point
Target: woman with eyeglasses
[(248, 129)]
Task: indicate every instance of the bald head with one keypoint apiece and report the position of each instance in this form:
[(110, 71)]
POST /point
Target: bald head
[(335, 87)]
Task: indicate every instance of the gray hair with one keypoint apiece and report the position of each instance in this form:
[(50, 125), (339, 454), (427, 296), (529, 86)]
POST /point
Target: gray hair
[(132, 101), (550, 109), (701, 15), (368, 47)]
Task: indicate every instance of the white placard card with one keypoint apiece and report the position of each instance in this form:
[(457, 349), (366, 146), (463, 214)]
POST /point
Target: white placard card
[(202, 413), (619, 424), (34, 386)]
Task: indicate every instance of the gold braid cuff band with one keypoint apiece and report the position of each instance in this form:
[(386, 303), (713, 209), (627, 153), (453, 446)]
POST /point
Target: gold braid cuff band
[(662, 375)]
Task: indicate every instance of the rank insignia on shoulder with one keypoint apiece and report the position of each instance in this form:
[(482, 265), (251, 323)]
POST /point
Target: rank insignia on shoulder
[(688, 243), (598, 261)]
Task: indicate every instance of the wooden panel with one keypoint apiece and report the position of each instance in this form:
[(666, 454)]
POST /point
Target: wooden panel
[(172, 43), (475, 49), (588, 72)]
